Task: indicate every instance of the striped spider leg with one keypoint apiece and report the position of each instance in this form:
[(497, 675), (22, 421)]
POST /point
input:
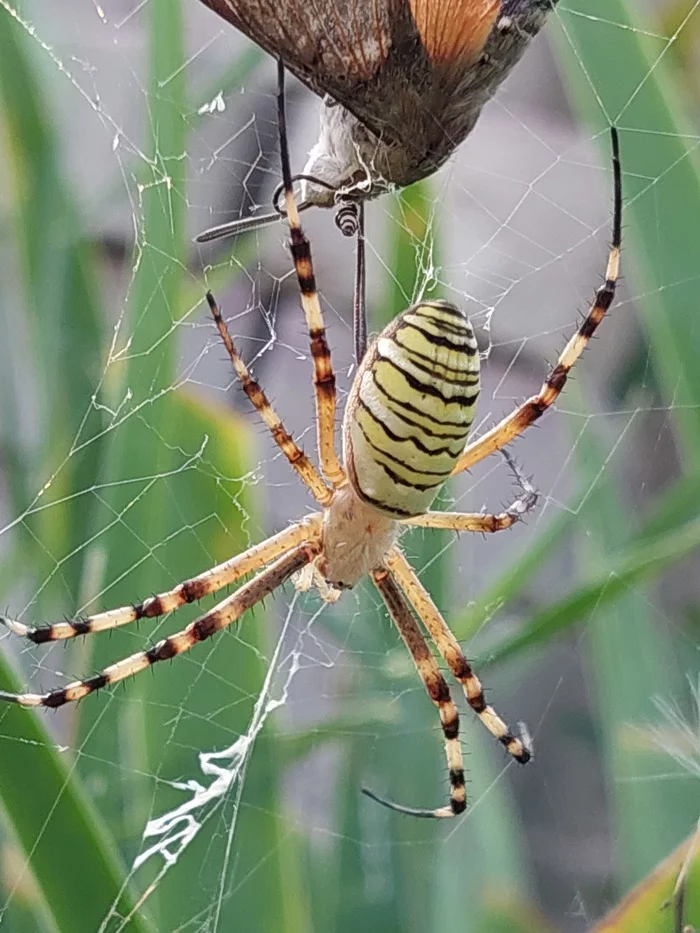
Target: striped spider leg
[(438, 691), (532, 410), (418, 599), (302, 539), (406, 597), (291, 550), (282, 556), (300, 248)]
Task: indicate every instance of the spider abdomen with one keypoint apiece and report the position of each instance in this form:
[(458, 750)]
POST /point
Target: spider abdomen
[(410, 408)]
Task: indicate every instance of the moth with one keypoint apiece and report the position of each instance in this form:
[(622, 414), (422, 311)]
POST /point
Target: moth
[(403, 81)]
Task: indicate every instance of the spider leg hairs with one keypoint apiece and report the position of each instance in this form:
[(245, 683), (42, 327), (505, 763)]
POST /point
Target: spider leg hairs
[(405, 425), (403, 81)]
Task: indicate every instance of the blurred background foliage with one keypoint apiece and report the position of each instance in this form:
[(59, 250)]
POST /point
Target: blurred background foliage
[(99, 513)]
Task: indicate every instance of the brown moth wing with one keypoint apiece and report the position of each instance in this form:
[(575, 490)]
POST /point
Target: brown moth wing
[(380, 59), (454, 31), (405, 80), (331, 46)]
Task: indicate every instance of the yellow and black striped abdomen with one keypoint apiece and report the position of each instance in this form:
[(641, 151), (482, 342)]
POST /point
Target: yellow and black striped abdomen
[(410, 408)]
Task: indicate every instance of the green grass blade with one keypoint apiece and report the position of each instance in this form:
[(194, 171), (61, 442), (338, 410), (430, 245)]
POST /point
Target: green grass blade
[(45, 807), (51, 323), (620, 572), (515, 578), (204, 702), (643, 96), (651, 906), (661, 167), (132, 518), (66, 849), (632, 662)]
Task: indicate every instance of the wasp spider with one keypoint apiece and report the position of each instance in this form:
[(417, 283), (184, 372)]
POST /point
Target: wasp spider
[(404, 431)]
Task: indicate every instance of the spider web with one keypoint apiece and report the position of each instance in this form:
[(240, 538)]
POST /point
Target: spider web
[(229, 780)]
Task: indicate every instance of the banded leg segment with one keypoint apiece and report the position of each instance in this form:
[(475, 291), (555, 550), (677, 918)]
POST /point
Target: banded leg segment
[(324, 377), (438, 691), (296, 456), (218, 618), (449, 649), (479, 521), (211, 581), (530, 411)]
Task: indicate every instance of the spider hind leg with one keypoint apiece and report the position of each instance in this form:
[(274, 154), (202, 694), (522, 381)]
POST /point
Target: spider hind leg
[(438, 691), (448, 647)]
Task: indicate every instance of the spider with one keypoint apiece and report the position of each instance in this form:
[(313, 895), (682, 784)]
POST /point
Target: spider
[(404, 431)]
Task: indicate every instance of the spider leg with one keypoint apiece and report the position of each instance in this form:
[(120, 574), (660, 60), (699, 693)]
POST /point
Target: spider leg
[(478, 521), (359, 301), (448, 646), (438, 691), (296, 456), (211, 581), (530, 411), (218, 618), (324, 378)]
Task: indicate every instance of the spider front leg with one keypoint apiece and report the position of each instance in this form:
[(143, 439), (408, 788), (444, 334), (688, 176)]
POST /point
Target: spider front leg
[(438, 691), (479, 521), (300, 248), (530, 411), (449, 648), (305, 469), (192, 590)]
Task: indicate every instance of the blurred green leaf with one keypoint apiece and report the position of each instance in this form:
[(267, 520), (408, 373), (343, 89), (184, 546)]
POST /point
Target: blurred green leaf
[(651, 906), (171, 498), (630, 650), (661, 169), (58, 318), (607, 584), (138, 456), (45, 807), (53, 821)]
